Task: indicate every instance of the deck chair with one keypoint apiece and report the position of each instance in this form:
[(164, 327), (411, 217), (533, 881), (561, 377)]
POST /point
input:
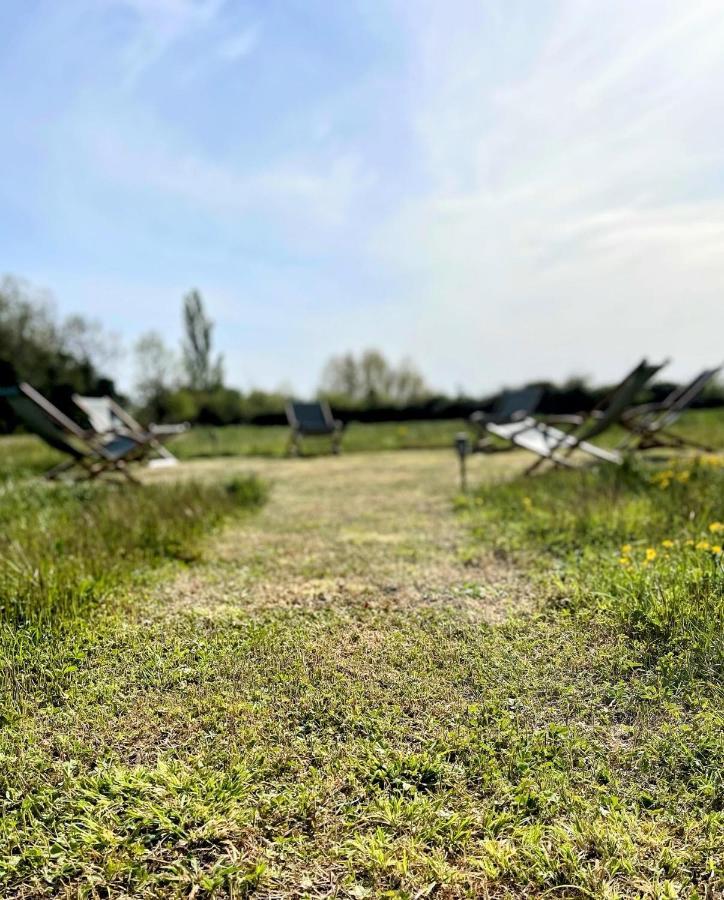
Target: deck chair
[(108, 417), (649, 424), (92, 456), (307, 419), (511, 406), (555, 445)]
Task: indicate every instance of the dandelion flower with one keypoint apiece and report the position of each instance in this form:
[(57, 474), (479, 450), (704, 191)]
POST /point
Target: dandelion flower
[(716, 549), (683, 477), (650, 554), (624, 561), (626, 549), (716, 527), (702, 545), (668, 544), (663, 478)]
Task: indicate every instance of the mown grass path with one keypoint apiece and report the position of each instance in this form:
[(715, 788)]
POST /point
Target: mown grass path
[(365, 529)]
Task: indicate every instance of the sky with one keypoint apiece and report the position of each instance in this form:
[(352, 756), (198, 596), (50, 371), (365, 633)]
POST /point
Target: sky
[(500, 190)]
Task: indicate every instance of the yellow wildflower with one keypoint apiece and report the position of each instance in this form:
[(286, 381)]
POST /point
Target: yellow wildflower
[(625, 561), (716, 526), (663, 478), (702, 545), (683, 477), (650, 554), (626, 549), (689, 543), (712, 460), (716, 548), (668, 544)]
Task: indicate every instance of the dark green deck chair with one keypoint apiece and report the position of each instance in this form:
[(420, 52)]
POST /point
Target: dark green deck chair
[(510, 406), (90, 457), (648, 425), (555, 445), (311, 419)]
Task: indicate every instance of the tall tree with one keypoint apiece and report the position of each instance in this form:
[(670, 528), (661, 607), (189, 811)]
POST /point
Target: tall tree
[(202, 374), (56, 356), (371, 379), (156, 368)]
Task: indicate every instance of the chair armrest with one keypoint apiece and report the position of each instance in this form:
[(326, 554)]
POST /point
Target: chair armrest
[(180, 428), (572, 420), (643, 409)]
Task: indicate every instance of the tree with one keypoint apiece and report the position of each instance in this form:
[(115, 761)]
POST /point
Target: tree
[(201, 373), (409, 385), (340, 377), (58, 357), (156, 371), (87, 339), (371, 380)]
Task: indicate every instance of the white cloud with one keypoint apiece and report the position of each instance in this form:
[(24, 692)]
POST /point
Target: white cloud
[(542, 190), (562, 224), (293, 191)]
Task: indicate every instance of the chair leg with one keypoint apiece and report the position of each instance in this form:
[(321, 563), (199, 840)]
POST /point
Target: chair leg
[(553, 460), (122, 467), (163, 452), (536, 464), (663, 439), (686, 442), (53, 473), (294, 444)]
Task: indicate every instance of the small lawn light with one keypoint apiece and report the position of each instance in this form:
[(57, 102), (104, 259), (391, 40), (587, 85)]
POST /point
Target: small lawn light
[(462, 445)]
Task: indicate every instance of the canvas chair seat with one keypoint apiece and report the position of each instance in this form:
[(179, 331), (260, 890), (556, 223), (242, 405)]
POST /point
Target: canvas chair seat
[(311, 419), (546, 441), (106, 416), (555, 445)]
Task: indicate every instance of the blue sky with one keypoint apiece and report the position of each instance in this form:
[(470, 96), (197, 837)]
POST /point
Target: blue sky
[(499, 190)]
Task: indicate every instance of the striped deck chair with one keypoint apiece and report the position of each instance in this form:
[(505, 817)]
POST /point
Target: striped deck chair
[(555, 445), (90, 456), (108, 417)]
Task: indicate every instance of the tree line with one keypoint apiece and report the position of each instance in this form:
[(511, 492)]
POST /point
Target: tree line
[(62, 356)]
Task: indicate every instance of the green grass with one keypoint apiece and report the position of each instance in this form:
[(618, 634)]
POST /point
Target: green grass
[(625, 666), (449, 759), (644, 544), (22, 455), (251, 440), (206, 736), (65, 546)]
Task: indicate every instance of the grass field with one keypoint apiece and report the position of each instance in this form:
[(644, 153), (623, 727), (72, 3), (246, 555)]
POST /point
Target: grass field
[(367, 687), (27, 455), (23, 455)]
